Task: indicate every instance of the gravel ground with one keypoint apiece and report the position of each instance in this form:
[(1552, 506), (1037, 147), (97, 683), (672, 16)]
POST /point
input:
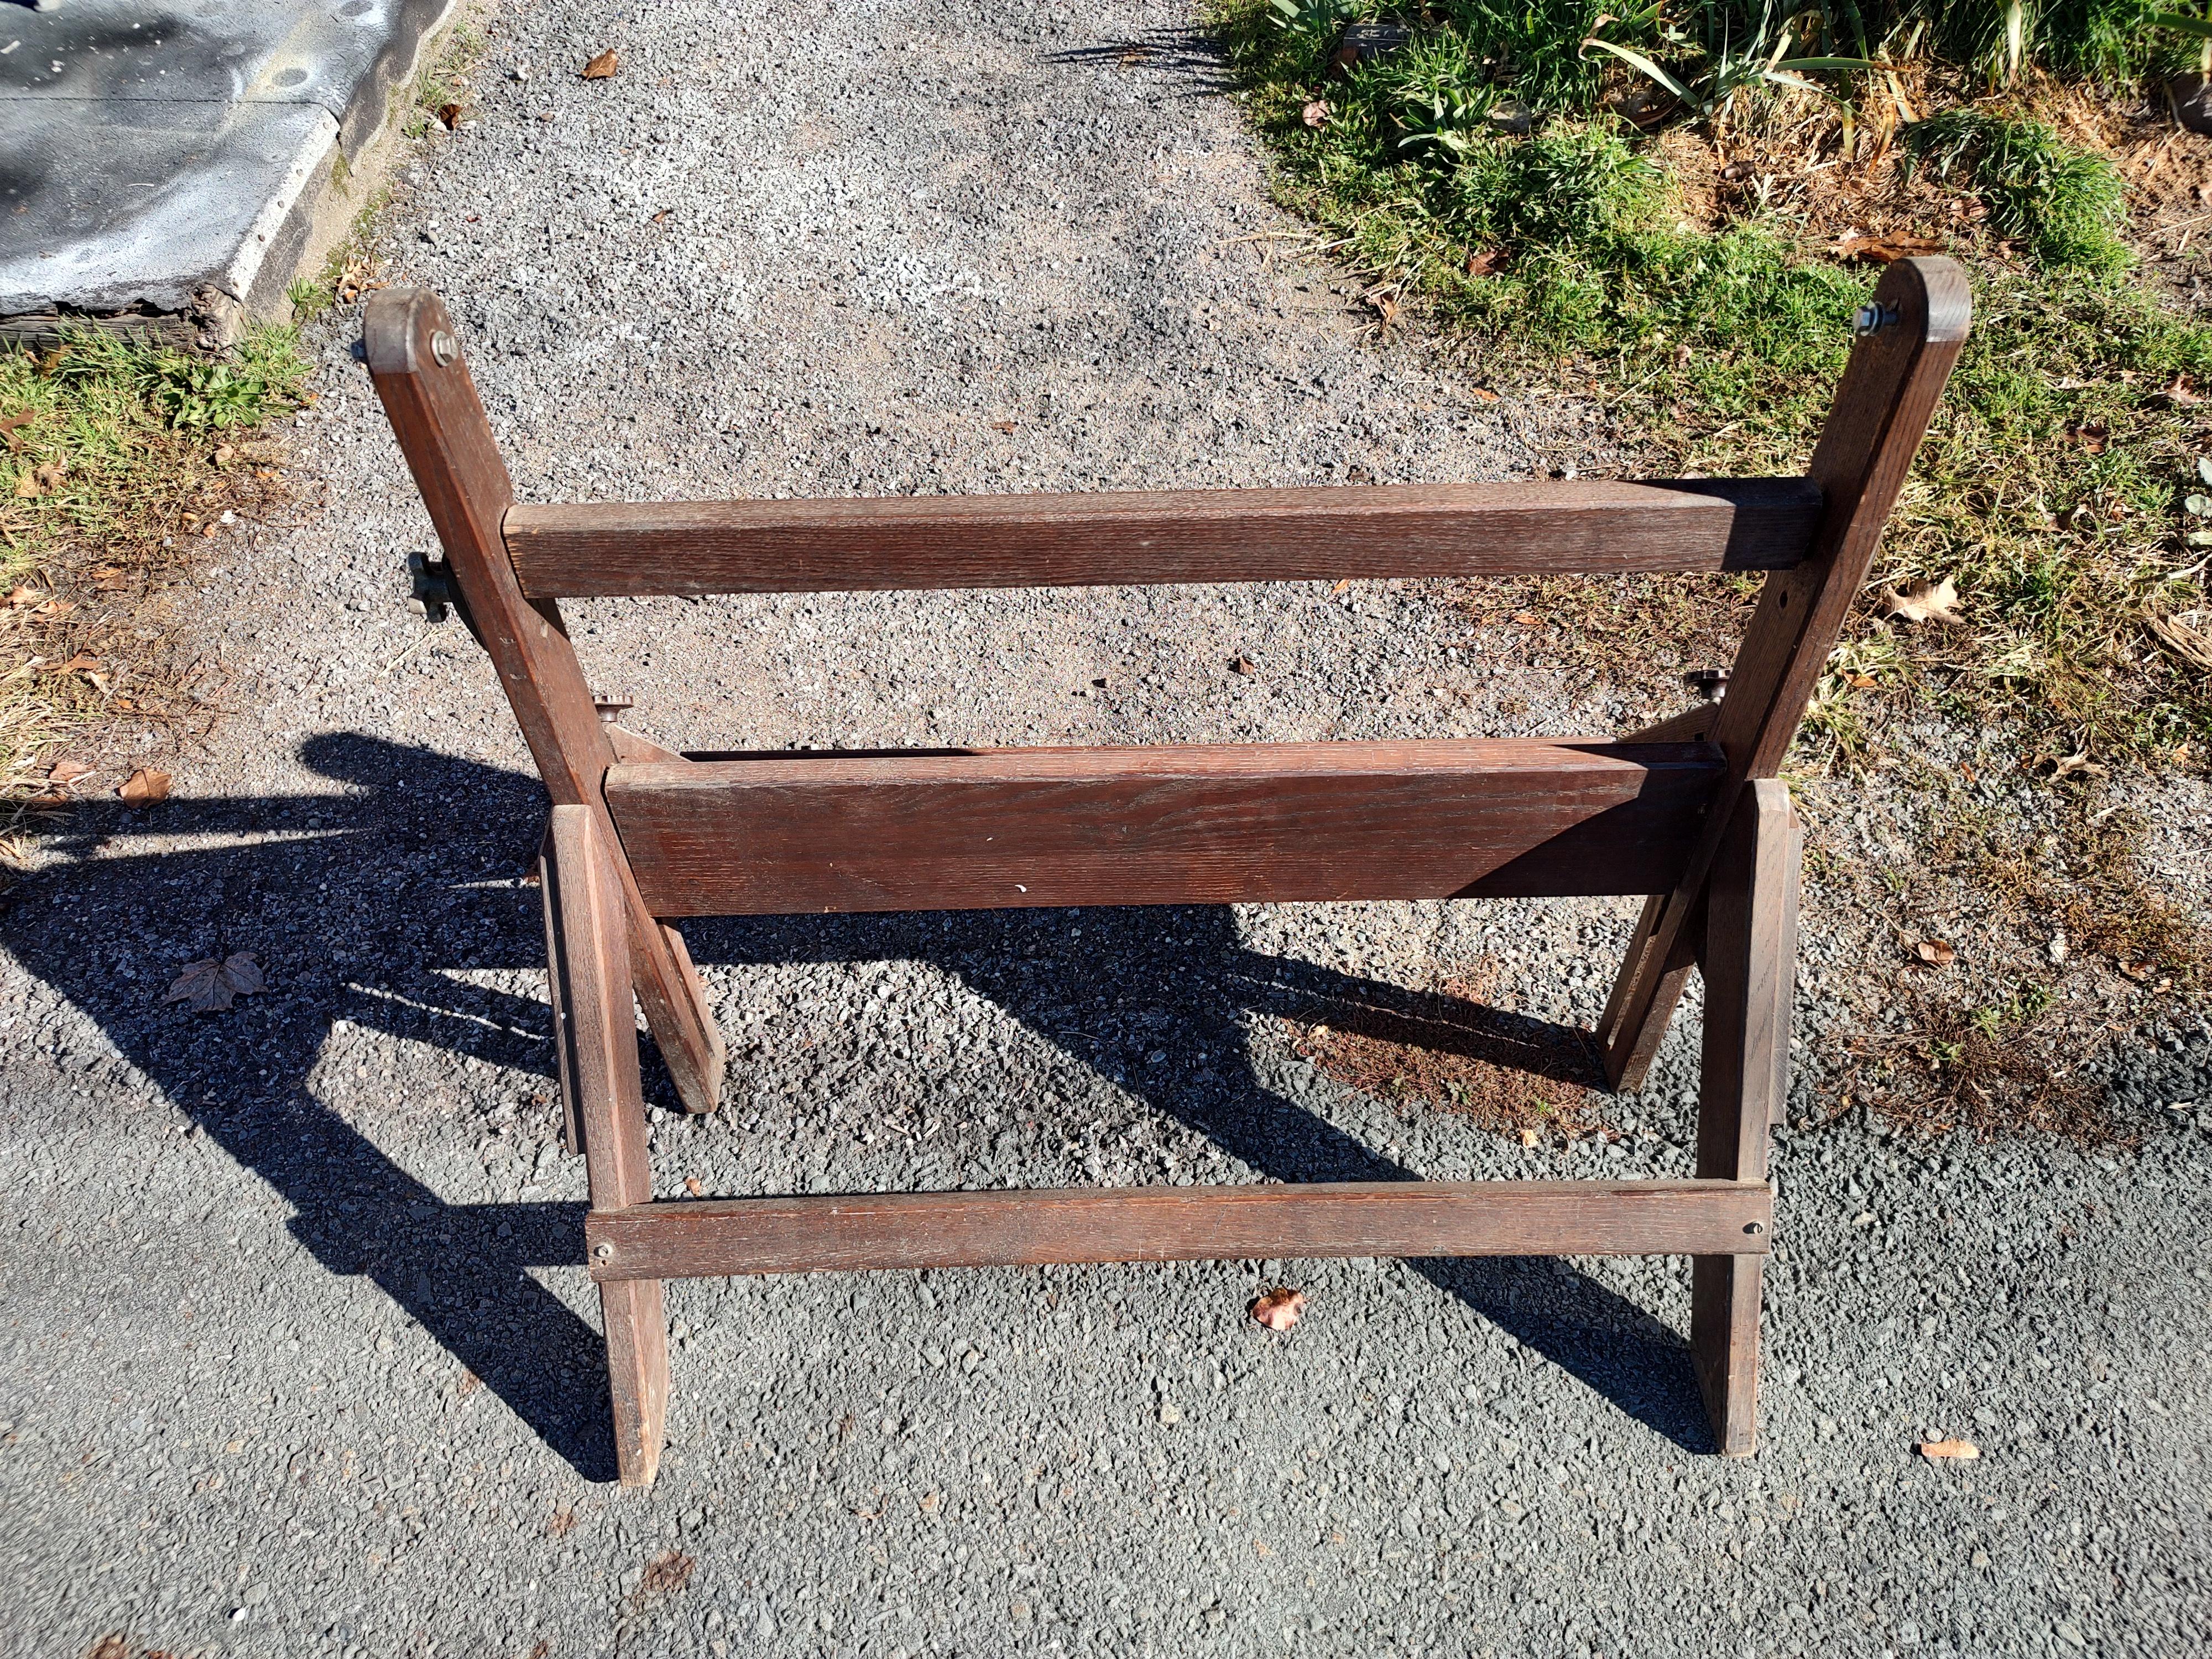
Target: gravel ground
[(299, 1357)]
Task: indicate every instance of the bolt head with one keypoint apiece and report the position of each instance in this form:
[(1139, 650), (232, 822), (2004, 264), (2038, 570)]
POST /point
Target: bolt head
[(1872, 319), (604, 1252), (1755, 1228), (445, 349)]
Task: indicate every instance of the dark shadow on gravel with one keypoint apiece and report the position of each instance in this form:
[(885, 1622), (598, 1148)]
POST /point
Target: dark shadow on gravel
[(1193, 54), (376, 901)]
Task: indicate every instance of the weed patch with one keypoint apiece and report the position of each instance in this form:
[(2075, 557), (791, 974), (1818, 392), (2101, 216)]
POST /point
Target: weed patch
[(122, 462)]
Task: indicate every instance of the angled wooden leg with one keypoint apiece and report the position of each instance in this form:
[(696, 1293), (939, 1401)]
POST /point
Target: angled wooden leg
[(590, 971), (1750, 969), (1628, 1050)]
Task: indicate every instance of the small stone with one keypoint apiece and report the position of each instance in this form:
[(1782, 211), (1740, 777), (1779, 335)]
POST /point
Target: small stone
[(1170, 1414)]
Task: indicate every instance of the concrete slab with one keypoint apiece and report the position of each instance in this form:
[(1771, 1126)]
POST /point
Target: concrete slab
[(166, 161)]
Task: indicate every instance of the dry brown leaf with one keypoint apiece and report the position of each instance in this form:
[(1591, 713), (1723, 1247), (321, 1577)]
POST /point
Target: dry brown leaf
[(68, 771), (694, 1186), (1241, 665), (1529, 1137), (27, 486), (1316, 114), (144, 786), (1482, 394), (1923, 601), (602, 66), (1279, 1309), (1002, 426), (2190, 643), (50, 475), (1965, 1451), (1936, 953), (23, 595), (2068, 765), (1340, 587), (1485, 261), (209, 986), (2092, 435), (1528, 619), (449, 116)]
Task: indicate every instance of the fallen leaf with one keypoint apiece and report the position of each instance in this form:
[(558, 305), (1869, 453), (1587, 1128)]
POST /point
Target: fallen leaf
[(209, 986), (144, 786), (1965, 1451), (694, 1186), (27, 486), (1923, 601), (449, 115), (68, 771), (1935, 951), (1482, 394), (1529, 1137), (661, 217), (1485, 261), (1002, 426), (2079, 761), (1241, 665), (602, 66), (2193, 645), (50, 475), (665, 1573), (1316, 114), (1528, 619), (1279, 1309), (2092, 435), (23, 595), (223, 454)]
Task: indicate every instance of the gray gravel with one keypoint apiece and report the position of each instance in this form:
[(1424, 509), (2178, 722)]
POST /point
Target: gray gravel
[(299, 1360)]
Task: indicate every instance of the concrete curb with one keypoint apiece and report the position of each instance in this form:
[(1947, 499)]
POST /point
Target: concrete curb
[(164, 171)]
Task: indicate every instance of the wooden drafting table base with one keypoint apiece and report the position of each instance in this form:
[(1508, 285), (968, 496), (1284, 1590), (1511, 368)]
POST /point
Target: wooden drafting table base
[(1686, 813)]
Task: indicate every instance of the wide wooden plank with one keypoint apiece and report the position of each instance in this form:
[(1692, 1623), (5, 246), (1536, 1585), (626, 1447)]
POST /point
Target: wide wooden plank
[(710, 1238), (1106, 538), (1012, 827)]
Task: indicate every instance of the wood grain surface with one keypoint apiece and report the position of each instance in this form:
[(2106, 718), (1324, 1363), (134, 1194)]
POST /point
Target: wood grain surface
[(1110, 537), (1007, 829), (832, 1233)]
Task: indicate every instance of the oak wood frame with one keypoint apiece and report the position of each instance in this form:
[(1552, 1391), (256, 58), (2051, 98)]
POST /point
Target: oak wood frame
[(1688, 811)]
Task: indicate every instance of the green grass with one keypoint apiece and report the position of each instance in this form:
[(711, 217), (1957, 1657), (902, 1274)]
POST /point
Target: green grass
[(2051, 487), (118, 455)]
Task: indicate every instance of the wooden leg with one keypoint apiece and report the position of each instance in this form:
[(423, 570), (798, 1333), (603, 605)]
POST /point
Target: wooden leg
[(1750, 967), (675, 1012), (572, 1125), (590, 968), (1628, 1051)]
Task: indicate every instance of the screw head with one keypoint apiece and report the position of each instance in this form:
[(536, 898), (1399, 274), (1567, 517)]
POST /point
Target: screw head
[(604, 1252), (1755, 1228), (445, 349)]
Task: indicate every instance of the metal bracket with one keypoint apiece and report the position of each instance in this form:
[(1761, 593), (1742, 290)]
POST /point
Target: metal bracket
[(434, 592), (1709, 684)]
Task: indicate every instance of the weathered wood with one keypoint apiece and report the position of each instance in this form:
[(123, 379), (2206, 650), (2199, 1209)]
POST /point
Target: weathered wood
[(1750, 969), (440, 423), (571, 1122), (1691, 725), (590, 970), (1881, 411), (1013, 828), (826, 1234), (1118, 538), (631, 750)]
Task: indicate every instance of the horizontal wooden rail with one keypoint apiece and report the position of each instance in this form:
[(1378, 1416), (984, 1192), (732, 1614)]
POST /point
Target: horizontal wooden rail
[(1007, 828), (818, 1234), (1112, 538)]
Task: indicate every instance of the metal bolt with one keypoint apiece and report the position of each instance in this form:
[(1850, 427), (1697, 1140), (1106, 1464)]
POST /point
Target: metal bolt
[(1872, 319), (445, 349), (1708, 682), (612, 709), (1755, 1228), (605, 1252)]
